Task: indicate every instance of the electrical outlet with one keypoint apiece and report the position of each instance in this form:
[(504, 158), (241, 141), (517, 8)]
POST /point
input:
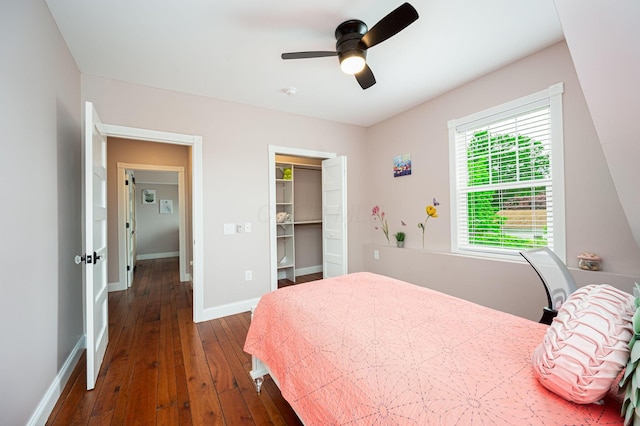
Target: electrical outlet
[(376, 254), (239, 229), (248, 275)]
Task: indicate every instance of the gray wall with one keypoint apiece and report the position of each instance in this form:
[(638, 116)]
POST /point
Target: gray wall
[(235, 156), (157, 234), (595, 220), (41, 303)]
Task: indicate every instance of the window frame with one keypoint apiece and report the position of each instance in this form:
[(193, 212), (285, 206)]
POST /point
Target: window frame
[(551, 97)]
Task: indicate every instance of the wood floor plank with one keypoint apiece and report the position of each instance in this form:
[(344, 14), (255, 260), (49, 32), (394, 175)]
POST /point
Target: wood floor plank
[(182, 390), (162, 369), (153, 303), (168, 415), (205, 406), (223, 379), (282, 407), (134, 320), (237, 333), (113, 376), (142, 401), (167, 389), (235, 409), (259, 407)]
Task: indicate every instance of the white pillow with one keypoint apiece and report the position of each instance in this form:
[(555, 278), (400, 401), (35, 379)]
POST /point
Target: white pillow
[(586, 346)]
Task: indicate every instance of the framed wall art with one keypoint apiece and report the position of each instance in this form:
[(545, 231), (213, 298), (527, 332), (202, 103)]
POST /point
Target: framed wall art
[(166, 206), (402, 165), (148, 196)]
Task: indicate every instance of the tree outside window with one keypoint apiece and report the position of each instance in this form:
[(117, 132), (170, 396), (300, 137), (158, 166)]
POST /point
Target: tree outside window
[(512, 217), (508, 176)]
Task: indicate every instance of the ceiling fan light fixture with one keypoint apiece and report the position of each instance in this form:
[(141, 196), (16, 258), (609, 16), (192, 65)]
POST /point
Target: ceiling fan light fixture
[(352, 62)]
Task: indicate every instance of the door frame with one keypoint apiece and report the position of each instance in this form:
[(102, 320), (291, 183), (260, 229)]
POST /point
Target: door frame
[(131, 225), (197, 221), (273, 243), (122, 212)]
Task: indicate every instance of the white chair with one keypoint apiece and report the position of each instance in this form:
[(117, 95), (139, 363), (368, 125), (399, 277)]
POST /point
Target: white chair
[(558, 281)]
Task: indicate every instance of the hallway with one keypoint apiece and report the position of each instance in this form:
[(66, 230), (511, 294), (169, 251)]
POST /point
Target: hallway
[(160, 368)]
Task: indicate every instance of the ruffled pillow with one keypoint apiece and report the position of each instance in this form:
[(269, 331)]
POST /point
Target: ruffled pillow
[(587, 345)]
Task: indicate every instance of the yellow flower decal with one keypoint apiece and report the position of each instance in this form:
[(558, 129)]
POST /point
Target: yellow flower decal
[(431, 212)]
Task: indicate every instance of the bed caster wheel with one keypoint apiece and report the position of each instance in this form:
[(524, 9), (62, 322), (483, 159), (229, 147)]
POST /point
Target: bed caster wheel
[(258, 383)]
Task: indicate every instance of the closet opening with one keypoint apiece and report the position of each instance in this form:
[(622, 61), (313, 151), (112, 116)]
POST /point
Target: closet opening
[(299, 219), (307, 215)]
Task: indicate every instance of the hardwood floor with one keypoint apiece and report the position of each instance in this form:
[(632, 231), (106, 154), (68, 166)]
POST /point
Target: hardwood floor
[(162, 369), (300, 279)]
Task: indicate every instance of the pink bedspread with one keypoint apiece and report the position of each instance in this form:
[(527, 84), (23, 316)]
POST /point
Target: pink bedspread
[(365, 349)]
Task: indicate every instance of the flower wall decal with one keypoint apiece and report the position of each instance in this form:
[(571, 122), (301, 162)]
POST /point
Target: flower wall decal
[(432, 212), (378, 216)]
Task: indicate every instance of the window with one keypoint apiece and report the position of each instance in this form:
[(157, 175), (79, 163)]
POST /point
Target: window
[(507, 177)]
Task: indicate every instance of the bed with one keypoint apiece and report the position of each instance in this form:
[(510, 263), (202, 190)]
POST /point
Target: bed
[(368, 349)]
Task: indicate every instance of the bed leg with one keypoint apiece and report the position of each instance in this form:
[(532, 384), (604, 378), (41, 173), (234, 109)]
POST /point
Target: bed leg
[(258, 382), (258, 372)]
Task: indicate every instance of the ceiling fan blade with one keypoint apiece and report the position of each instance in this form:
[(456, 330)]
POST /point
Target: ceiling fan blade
[(305, 55), (390, 25), (365, 77)]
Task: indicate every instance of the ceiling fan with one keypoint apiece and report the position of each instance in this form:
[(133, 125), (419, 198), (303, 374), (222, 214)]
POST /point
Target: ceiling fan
[(354, 38)]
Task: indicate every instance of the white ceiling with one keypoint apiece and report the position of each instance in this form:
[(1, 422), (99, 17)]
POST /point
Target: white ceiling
[(230, 50)]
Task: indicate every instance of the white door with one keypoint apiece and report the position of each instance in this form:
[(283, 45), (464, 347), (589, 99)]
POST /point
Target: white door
[(94, 273), (334, 217), (131, 225)]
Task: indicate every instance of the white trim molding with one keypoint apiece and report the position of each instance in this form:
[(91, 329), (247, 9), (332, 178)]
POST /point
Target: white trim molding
[(197, 222), (229, 309), (50, 398), (161, 256)]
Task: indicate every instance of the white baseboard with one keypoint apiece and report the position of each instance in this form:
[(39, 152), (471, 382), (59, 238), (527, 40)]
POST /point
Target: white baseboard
[(282, 274), (308, 270), (229, 309), (116, 287), (158, 255), (44, 408)]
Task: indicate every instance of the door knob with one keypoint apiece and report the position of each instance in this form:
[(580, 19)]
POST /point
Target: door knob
[(84, 258)]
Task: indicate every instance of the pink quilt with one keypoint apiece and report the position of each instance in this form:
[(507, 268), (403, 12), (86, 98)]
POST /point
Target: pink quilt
[(366, 349)]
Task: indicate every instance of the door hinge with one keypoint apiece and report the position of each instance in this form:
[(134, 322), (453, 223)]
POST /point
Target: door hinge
[(126, 182), (127, 226), (128, 268)]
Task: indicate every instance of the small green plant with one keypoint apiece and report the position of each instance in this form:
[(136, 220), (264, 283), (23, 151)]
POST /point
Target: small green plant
[(399, 236)]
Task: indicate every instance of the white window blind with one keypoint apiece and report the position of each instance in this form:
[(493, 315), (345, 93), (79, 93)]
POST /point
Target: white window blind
[(503, 186)]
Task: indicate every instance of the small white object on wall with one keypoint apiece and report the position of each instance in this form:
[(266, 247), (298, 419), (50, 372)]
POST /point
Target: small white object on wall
[(166, 206)]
